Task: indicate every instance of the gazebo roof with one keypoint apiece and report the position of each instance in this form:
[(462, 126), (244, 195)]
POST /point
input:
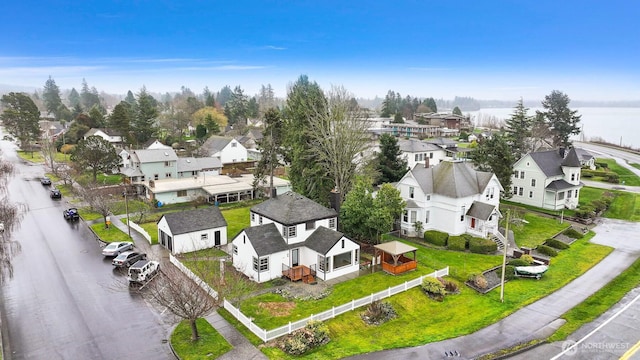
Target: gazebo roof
[(395, 247)]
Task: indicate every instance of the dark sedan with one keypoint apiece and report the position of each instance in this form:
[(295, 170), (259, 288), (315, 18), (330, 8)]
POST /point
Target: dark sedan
[(128, 258), (55, 194)]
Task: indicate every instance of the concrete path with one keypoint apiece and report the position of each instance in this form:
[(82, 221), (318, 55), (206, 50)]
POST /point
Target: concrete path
[(542, 318)]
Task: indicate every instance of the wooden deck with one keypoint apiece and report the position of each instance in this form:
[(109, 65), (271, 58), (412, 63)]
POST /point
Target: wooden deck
[(299, 272), (400, 268)]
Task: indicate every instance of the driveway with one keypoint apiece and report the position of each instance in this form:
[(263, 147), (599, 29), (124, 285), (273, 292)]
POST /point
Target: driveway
[(542, 318)]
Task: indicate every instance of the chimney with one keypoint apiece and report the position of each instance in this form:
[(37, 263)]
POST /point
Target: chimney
[(561, 151), (334, 199), (274, 193)]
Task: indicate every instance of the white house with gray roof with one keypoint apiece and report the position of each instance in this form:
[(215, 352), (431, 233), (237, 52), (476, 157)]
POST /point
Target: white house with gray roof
[(290, 232), (228, 150), (112, 136), (420, 152), (547, 179), (192, 230), (450, 197)]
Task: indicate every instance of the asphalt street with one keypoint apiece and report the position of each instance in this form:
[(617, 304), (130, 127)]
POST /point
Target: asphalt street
[(65, 300)]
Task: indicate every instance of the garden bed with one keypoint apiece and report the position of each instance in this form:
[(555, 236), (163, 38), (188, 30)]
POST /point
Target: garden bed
[(493, 277)]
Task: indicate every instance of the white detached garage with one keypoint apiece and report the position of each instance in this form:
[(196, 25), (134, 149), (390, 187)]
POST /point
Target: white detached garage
[(192, 230)]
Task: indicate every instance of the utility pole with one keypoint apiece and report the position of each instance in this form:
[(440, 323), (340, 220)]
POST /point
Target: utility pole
[(504, 257), (126, 209)]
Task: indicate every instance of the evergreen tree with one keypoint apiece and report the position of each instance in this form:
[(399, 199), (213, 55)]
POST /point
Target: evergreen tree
[(120, 120), (51, 97), (97, 119), (457, 111), (238, 107), (270, 146), (389, 161), (145, 117), (21, 118), (224, 95), (95, 153), (74, 98), (88, 96), (495, 155), (562, 121), (518, 129), (130, 98), (431, 104), (209, 99)]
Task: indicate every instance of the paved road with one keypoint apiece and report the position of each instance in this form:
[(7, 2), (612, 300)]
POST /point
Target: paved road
[(65, 300)]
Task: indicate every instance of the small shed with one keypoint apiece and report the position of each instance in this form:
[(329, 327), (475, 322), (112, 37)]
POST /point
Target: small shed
[(192, 230), (395, 257)]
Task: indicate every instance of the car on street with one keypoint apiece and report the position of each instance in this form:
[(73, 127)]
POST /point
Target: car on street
[(116, 248), (142, 272), (55, 194), (128, 258), (71, 214), (45, 181)]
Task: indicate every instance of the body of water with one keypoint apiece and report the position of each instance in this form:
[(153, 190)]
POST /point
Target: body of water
[(614, 125)]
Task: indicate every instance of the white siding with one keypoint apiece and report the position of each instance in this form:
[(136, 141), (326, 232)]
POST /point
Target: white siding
[(231, 153), (349, 247), (192, 241)]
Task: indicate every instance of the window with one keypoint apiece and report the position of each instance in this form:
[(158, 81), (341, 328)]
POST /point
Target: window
[(533, 182), (342, 260), (194, 173), (323, 263), (253, 217), (426, 218), (411, 192), (342, 243), (332, 223), (142, 178), (515, 174), (310, 225), (515, 190), (573, 177), (413, 216), (167, 163), (264, 263), (167, 175), (289, 231), (260, 220), (561, 195), (182, 193), (255, 263), (416, 158), (530, 194), (405, 216), (235, 249), (244, 239), (569, 194), (155, 176), (428, 197), (576, 194), (521, 174), (204, 237), (520, 191), (430, 155), (462, 208), (234, 144)]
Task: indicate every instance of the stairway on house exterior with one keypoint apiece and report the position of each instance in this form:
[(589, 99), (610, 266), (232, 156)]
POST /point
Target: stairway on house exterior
[(499, 239)]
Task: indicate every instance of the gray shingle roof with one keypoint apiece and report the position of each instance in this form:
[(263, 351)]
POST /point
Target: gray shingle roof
[(184, 222), (215, 144), (323, 239), (454, 179), (265, 239), (480, 210), (550, 162), (155, 155), (291, 208), (583, 154), (110, 132), (197, 164), (412, 145), (559, 185)]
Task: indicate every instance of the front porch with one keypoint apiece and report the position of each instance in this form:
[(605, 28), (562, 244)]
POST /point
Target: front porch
[(300, 272)]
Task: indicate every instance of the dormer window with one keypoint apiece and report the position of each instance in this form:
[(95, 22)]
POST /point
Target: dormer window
[(289, 231), (411, 192)]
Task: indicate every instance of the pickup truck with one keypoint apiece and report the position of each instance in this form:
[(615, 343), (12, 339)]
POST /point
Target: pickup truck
[(71, 214)]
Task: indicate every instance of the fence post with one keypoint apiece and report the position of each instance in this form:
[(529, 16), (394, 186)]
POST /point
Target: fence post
[(353, 304), (333, 312), (389, 291), (289, 327)]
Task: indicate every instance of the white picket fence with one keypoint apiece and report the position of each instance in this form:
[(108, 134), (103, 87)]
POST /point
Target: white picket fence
[(267, 335), (139, 229), (193, 276)]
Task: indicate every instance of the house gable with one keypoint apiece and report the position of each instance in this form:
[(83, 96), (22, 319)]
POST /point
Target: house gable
[(184, 222)]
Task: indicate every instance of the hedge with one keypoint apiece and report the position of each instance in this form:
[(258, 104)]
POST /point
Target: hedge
[(573, 233), (519, 262), (510, 271), (547, 250), (556, 244), (482, 246), (458, 243), (436, 237)]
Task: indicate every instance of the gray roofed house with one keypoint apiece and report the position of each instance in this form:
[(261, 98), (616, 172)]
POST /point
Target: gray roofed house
[(292, 208), (482, 211), (227, 149), (586, 158), (323, 239), (454, 179), (192, 230), (187, 166), (155, 155), (112, 136)]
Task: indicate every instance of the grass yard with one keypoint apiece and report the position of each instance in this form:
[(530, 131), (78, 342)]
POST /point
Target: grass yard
[(537, 230), (625, 206), (111, 234), (596, 304), (627, 177), (422, 320), (637, 166), (204, 253), (35, 156), (88, 215), (237, 219), (210, 345), (150, 227)]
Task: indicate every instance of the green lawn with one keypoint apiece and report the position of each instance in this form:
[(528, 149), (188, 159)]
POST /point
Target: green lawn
[(627, 176), (89, 215), (237, 219), (598, 303), (637, 166), (111, 234), (35, 156), (150, 227), (422, 320), (537, 230), (210, 345), (204, 253), (625, 206)]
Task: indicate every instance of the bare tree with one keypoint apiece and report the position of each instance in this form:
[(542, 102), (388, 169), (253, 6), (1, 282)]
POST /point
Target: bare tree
[(10, 216), (338, 134), (99, 200)]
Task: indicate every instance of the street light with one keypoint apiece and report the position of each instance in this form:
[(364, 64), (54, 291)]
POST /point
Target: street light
[(504, 257), (126, 209)]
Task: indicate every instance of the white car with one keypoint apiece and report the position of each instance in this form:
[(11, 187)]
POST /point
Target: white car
[(142, 271), (115, 248)]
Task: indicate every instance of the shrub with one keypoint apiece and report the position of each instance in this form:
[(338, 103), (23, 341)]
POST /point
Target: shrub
[(599, 205), (573, 233), (528, 258), (586, 174), (314, 334), (436, 237), (378, 313), (450, 286), (479, 281), (482, 246), (457, 243), (613, 178), (519, 262), (67, 148), (509, 271), (547, 250), (585, 212), (603, 165), (556, 244), (433, 286)]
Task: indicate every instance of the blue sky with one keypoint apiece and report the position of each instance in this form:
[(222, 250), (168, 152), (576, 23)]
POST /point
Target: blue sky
[(484, 49)]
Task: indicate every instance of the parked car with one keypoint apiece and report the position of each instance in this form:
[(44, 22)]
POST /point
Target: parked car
[(55, 194), (71, 214), (128, 258), (116, 248), (45, 181), (142, 271)]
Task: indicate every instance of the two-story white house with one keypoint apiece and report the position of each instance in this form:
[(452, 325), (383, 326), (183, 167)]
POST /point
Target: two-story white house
[(420, 152), (112, 136), (547, 179), (228, 150), (293, 236), (450, 197)]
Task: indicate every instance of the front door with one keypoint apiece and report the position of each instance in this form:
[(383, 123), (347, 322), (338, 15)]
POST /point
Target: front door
[(295, 260), (473, 223), (217, 238), (169, 243)]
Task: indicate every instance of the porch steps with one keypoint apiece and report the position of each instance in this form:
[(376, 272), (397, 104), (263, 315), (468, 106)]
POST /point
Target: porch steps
[(499, 240)]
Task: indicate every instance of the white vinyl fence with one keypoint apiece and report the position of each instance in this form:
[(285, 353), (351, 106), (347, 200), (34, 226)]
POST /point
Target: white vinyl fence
[(139, 229), (267, 335), (193, 276)]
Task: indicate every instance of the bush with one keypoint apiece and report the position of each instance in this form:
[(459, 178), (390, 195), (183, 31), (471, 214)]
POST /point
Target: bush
[(613, 178), (436, 237), (599, 205), (585, 212), (547, 250), (573, 233), (482, 246), (509, 271), (433, 286), (556, 244), (314, 334), (450, 286), (602, 165), (457, 243), (528, 258), (519, 262), (586, 174), (479, 281), (378, 313)]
